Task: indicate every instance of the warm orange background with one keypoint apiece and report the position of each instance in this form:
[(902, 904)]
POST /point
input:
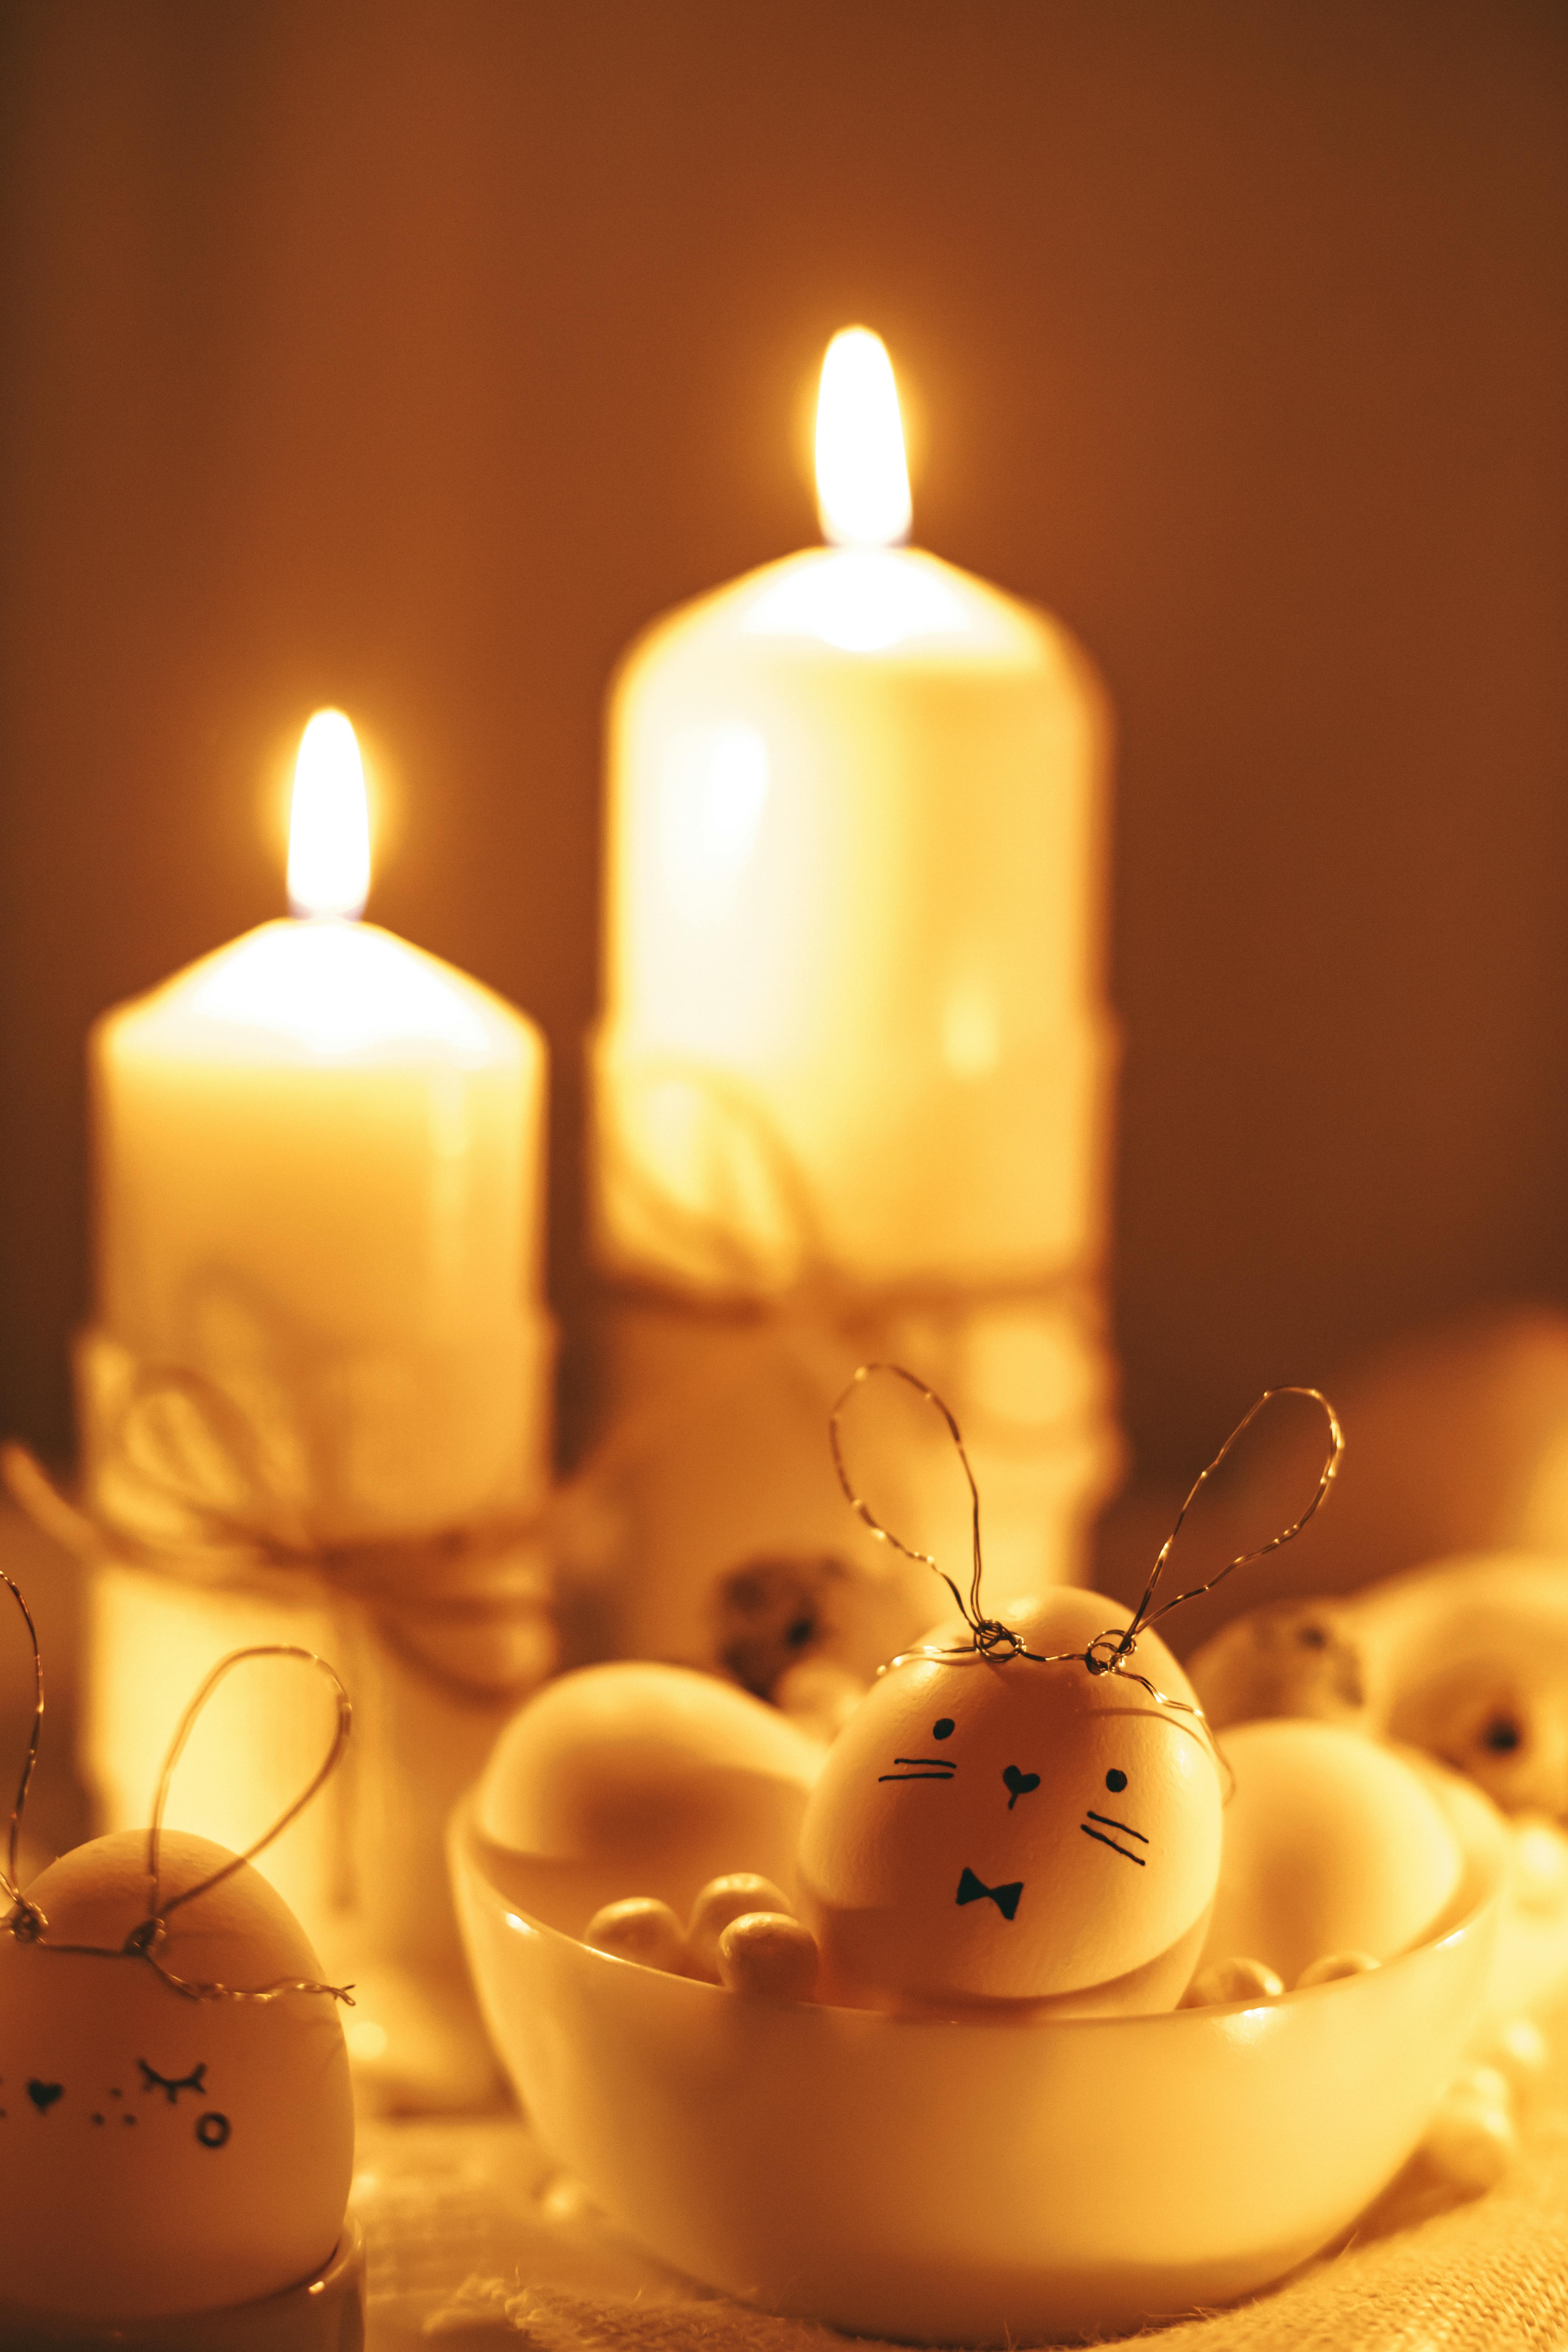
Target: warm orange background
[(409, 356)]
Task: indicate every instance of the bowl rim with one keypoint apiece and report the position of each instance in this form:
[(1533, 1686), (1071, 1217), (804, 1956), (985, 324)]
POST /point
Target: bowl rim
[(1479, 1828)]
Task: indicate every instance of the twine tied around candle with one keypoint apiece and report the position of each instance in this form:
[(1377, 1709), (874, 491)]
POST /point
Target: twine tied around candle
[(29, 1924), (795, 1289), (1110, 1653), (444, 1576), (735, 1310)]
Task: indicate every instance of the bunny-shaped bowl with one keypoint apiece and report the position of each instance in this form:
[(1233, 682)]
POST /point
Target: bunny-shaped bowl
[(979, 2182)]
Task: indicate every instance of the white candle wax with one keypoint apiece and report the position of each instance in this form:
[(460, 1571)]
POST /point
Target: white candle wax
[(854, 998), (320, 1117), (320, 1164)]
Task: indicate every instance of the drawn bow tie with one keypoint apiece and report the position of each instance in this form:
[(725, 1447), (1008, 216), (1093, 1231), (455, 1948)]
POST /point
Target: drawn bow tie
[(1005, 1898)]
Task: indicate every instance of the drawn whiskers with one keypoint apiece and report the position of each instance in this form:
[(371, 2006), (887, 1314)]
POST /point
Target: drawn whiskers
[(921, 1768), (1125, 1829)]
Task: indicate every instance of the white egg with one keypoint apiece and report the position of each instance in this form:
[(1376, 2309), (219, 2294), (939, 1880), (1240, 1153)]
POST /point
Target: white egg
[(640, 1928), (721, 1901), (989, 1830), (1332, 1843), (1231, 1980), (1471, 2142), (768, 1955), (160, 2155), (1333, 1966), (636, 1778)]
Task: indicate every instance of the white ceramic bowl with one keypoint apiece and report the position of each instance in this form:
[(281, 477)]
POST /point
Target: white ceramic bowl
[(975, 2183)]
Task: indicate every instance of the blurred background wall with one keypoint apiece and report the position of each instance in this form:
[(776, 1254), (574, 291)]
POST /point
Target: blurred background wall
[(410, 355)]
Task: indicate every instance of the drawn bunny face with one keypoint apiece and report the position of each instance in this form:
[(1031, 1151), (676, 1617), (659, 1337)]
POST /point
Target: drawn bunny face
[(158, 2153), (997, 1828)]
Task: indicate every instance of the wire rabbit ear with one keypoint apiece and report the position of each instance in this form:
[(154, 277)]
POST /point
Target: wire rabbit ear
[(27, 1922), (1146, 1613), (157, 1909), (11, 1881), (1111, 1652), (969, 1609)]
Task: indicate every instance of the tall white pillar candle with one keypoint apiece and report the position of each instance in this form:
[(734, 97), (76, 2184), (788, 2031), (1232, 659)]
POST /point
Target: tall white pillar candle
[(853, 954), (855, 1044), (320, 1184), (320, 1160)]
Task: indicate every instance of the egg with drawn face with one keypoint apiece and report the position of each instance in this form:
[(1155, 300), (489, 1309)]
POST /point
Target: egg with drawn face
[(997, 1829), (160, 2155)]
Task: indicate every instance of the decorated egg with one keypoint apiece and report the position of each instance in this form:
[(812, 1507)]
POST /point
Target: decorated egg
[(1286, 1657), (642, 1780), (1333, 1844), (159, 2154), (997, 1829)]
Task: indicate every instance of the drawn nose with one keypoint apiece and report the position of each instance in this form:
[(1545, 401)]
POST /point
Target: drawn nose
[(1018, 1784)]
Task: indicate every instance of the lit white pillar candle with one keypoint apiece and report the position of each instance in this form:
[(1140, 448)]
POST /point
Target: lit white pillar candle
[(320, 1160), (854, 910), (854, 1036), (320, 1165)]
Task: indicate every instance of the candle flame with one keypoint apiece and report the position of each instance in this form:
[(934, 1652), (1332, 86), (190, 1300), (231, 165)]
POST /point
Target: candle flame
[(862, 480), (329, 823)]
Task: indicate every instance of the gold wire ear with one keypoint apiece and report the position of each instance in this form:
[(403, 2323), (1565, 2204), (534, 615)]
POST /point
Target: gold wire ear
[(13, 1885), (1145, 1613), (157, 1910), (27, 1923), (1109, 1651), (970, 1611)]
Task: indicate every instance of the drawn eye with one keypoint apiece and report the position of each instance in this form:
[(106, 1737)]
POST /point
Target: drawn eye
[(942, 1730), (1115, 1781)]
